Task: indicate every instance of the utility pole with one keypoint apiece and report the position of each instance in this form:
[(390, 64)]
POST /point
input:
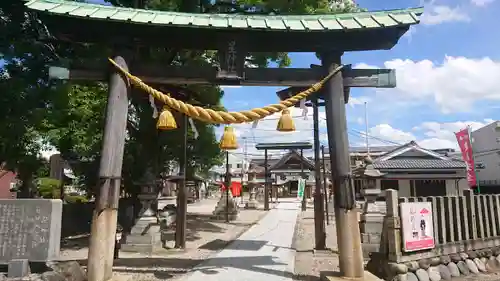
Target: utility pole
[(348, 235), (319, 219), (303, 206), (366, 132), (266, 186), (104, 219), (227, 183), (325, 186), (243, 162)]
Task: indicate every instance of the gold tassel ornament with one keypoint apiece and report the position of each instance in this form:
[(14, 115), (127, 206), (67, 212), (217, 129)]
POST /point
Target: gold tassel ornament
[(285, 124), (228, 140), (166, 120)]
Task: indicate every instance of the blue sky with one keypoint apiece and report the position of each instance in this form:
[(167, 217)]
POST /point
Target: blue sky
[(448, 75)]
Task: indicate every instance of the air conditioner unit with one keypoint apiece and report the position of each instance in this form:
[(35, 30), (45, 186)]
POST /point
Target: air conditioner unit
[(497, 126)]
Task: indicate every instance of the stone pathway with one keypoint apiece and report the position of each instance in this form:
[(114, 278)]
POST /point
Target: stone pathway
[(264, 252)]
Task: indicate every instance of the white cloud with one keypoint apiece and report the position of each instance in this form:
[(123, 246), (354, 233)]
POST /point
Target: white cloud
[(358, 100), (385, 134), (482, 3), (437, 14), (432, 135), (454, 85)]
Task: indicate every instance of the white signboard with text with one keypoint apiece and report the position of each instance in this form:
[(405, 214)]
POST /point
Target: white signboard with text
[(418, 227)]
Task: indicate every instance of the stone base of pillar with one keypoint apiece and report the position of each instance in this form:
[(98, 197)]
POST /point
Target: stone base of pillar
[(143, 236), (252, 204), (220, 209)]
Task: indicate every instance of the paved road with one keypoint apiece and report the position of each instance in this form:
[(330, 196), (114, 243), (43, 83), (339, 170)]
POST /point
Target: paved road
[(264, 252)]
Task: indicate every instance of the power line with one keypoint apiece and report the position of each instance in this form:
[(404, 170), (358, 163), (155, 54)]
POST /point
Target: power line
[(376, 138), (364, 135)]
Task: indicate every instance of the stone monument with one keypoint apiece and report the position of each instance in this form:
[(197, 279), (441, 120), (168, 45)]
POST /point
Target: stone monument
[(30, 231)]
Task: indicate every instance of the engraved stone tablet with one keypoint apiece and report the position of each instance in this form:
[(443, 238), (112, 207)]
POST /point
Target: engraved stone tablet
[(30, 229)]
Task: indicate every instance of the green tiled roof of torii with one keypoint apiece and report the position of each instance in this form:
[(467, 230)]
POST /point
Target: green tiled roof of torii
[(348, 21)]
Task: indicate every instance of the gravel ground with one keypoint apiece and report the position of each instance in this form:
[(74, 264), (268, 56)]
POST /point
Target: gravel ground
[(309, 263), (205, 237)]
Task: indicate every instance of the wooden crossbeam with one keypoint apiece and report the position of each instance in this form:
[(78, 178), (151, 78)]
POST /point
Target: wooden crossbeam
[(297, 77), (292, 91)]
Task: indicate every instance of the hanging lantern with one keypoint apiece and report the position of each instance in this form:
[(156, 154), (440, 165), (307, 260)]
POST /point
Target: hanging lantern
[(166, 120), (285, 124), (228, 140)]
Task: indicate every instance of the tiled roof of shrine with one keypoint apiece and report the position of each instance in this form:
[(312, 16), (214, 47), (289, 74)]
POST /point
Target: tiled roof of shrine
[(333, 22), (419, 164)]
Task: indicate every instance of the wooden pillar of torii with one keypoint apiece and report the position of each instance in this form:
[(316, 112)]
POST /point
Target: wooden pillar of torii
[(348, 234), (105, 215), (335, 94)]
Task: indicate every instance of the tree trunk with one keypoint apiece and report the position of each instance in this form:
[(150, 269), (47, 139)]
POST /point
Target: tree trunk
[(25, 190)]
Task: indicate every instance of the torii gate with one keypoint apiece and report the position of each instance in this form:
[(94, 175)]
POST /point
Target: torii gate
[(234, 36)]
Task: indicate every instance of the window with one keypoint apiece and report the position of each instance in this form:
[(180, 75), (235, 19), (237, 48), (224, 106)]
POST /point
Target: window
[(238, 166)]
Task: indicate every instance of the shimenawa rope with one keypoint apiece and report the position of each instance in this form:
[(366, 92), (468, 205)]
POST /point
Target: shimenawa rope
[(223, 117)]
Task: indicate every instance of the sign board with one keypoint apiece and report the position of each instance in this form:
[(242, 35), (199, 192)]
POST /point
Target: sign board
[(291, 173), (418, 227), (301, 188), (30, 229)]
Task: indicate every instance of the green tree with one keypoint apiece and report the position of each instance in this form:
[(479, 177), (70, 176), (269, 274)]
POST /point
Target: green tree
[(49, 188), (25, 91), (75, 122)]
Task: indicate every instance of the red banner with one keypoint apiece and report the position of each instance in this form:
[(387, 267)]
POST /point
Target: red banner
[(466, 149), (235, 188)]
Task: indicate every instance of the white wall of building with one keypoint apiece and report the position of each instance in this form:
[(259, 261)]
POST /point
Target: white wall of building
[(237, 164), (486, 147), (453, 187)]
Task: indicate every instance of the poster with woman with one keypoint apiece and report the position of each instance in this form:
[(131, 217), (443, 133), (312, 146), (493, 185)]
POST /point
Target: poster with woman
[(417, 224)]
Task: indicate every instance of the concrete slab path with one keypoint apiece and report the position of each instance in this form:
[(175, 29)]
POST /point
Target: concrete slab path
[(264, 252)]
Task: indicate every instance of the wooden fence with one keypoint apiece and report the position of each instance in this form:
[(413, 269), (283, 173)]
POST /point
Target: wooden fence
[(461, 223)]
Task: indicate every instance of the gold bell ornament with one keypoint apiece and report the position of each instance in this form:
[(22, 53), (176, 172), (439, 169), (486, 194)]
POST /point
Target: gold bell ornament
[(228, 140), (285, 124), (166, 120)]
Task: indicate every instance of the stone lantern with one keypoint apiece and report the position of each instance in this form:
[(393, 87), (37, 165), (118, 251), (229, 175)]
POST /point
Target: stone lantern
[(252, 182), (372, 217), (141, 238), (227, 206)]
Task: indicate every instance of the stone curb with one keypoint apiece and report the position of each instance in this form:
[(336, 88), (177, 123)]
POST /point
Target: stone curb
[(472, 263)]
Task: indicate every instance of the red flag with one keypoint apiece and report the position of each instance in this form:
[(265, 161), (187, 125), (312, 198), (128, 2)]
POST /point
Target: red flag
[(466, 149), (236, 188)]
